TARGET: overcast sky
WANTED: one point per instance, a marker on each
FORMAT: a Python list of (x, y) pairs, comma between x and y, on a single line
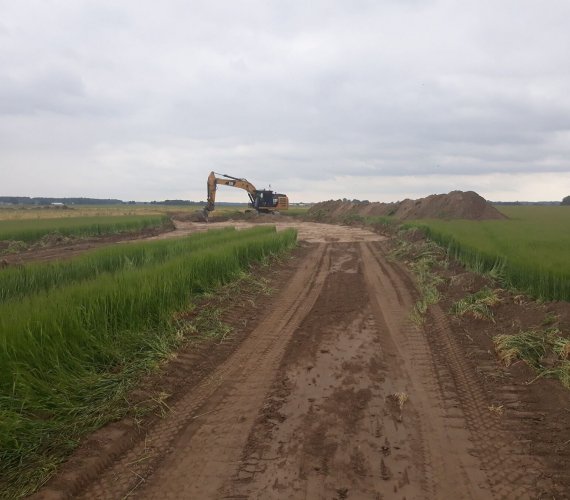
[(367, 99)]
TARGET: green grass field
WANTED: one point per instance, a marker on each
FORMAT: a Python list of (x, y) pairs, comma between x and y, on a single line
[(75, 336), (30, 230), (530, 250)]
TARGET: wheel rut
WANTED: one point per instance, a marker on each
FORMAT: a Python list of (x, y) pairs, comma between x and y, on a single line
[(187, 453), (363, 408), (512, 472), (335, 394)]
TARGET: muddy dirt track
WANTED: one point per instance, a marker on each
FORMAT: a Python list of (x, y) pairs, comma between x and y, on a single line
[(332, 394)]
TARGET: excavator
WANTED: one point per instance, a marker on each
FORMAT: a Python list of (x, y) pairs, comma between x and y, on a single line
[(262, 200)]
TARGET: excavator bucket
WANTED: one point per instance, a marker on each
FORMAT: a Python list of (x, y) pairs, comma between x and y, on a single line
[(199, 216)]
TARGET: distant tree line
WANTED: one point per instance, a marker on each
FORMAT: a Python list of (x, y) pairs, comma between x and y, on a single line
[(26, 200), (520, 203), (355, 201), (566, 200), (176, 202)]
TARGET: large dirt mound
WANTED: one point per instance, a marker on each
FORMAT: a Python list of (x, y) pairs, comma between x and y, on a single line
[(455, 205)]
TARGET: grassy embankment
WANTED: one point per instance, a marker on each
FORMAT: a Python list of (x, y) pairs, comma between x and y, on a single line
[(31, 230), (75, 336), (529, 251)]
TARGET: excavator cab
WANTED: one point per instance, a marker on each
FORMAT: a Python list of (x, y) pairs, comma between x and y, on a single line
[(269, 201)]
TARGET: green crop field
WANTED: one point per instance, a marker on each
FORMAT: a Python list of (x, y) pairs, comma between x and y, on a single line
[(74, 336), (30, 230), (530, 250)]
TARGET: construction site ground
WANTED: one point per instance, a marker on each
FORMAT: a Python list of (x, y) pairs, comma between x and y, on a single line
[(326, 389)]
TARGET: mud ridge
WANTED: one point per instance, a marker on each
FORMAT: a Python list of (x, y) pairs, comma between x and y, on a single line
[(454, 205)]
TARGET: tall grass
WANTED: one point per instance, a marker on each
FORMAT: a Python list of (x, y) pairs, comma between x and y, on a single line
[(530, 251), (30, 230), (17, 282), (68, 356)]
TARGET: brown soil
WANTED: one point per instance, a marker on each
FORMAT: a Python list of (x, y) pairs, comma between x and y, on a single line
[(308, 231), (455, 205), (327, 390)]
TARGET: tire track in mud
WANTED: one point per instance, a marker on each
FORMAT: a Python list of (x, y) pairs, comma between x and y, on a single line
[(356, 410), (510, 471), (368, 405), (188, 453), (449, 469), (325, 430), (335, 394)]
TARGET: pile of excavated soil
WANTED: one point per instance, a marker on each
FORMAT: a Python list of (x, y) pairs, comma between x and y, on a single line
[(455, 205)]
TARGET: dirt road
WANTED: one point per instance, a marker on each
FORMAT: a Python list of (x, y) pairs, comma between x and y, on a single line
[(333, 394)]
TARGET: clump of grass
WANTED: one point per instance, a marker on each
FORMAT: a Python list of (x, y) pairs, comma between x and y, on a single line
[(421, 256), (402, 249), (563, 373), (529, 346), (208, 323), (561, 346), (478, 305), (547, 351), (427, 281), (399, 398), (497, 409), (14, 247), (550, 319)]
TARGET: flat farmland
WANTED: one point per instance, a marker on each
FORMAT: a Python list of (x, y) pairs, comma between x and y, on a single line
[(190, 365)]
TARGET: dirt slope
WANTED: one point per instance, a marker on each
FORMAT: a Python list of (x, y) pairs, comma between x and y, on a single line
[(333, 393), (454, 205)]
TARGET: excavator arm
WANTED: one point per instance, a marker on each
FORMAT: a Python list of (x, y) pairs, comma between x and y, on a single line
[(226, 180)]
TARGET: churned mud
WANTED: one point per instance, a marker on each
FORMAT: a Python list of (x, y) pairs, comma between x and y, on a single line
[(329, 392)]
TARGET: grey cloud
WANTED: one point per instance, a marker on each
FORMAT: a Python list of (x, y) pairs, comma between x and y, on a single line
[(59, 92), (159, 94)]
